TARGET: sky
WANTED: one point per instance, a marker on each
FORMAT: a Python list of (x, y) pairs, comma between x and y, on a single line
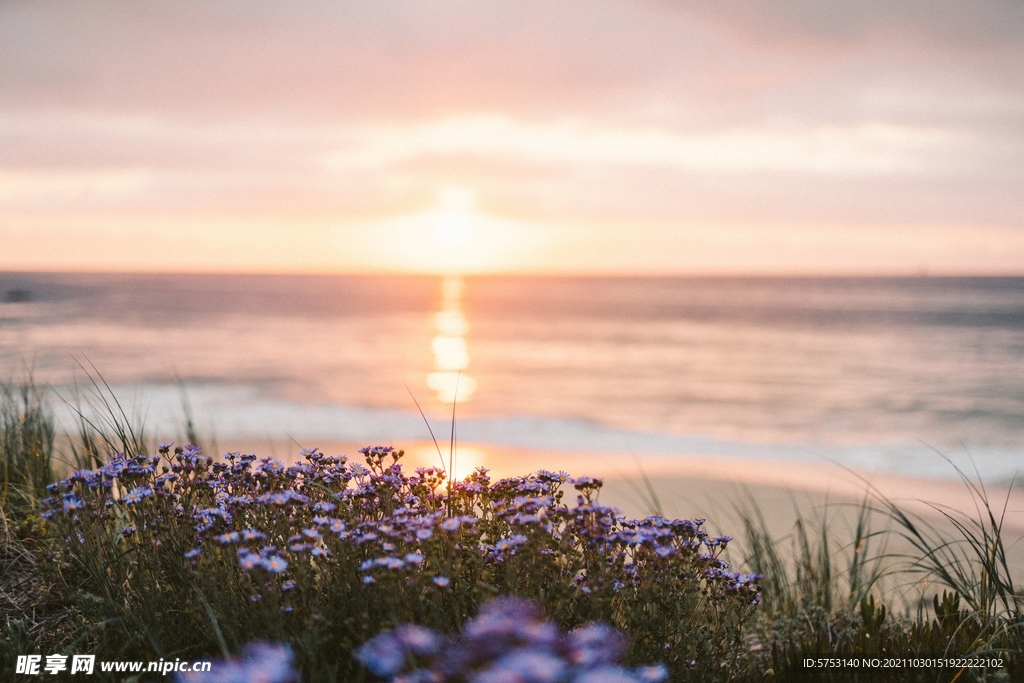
[(513, 136)]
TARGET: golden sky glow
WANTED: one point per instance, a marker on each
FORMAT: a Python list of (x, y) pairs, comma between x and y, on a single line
[(450, 137)]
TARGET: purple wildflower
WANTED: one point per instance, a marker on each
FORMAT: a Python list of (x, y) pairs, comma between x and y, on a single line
[(249, 561), (137, 494), (272, 466), (72, 502), (384, 655), (230, 537), (595, 644), (526, 665), (275, 564)]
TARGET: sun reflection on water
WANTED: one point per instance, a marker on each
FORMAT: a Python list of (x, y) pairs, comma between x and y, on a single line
[(451, 354)]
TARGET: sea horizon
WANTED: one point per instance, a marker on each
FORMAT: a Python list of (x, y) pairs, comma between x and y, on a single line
[(880, 373)]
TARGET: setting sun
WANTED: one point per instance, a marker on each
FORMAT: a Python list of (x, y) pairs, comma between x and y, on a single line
[(452, 229)]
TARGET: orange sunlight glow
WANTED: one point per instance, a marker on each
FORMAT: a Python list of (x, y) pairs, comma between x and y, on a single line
[(451, 238), (451, 353), (452, 226), (452, 229), (465, 459)]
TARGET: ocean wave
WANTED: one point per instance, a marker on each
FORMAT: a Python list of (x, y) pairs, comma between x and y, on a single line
[(247, 412)]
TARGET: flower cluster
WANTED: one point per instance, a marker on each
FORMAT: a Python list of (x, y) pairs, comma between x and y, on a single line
[(506, 642), (278, 548)]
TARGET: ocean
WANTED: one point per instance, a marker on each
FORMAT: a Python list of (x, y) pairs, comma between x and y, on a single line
[(880, 374)]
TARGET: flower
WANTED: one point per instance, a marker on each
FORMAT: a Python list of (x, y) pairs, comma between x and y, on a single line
[(595, 644), (272, 466), (137, 494), (249, 561), (275, 564), (607, 674), (506, 643), (72, 502), (651, 674), (582, 483), (526, 665), (442, 581), (384, 655), (230, 537), (390, 562), (418, 639)]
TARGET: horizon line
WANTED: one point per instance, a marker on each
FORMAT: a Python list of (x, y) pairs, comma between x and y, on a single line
[(919, 273)]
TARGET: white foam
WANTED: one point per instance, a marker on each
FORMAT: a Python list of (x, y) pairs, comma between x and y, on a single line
[(231, 411)]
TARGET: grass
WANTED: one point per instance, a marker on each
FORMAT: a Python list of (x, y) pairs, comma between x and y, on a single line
[(948, 591), (31, 587), (26, 454), (823, 594)]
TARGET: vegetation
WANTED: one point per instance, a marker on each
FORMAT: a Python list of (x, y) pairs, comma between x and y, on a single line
[(144, 552), (819, 596)]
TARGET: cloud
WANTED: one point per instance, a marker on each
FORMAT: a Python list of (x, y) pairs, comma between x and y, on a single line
[(684, 63), (663, 112), (53, 189), (864, 148)]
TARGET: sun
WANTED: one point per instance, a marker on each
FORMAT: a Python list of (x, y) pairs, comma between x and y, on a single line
[(456, 204), (452, 229)]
